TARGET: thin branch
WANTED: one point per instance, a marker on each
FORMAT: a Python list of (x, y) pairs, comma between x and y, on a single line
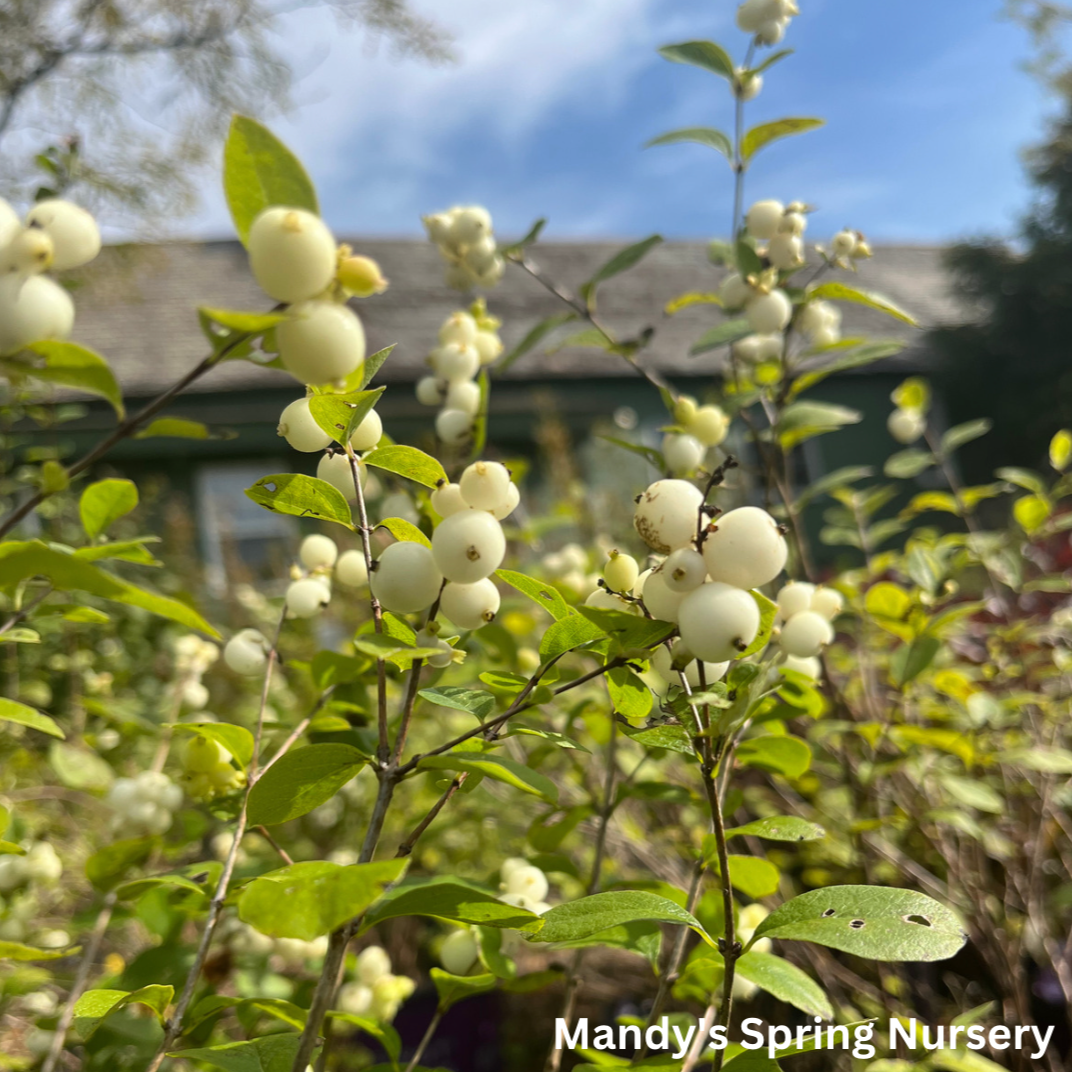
[(418, 1053), (407, 846)]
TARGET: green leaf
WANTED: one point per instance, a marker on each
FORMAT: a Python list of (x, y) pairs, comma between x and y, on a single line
[(259, 171), (213, 1006), (960, 434), (308, 899), (531, 236), (372, 364), (302, 496), (649, 454), (628, 693), (454, 988), (404, 530), (532, 338), (302, 780), (701, 135), (13, 711), (199, 878), (175, 428), (911, 660), (107, 866), (672, 738), (94, 1005), (706, 54), (973, 793), (567, 634), (843, 292), (480, 422), (786, 982), (409, 462), (1023, 478), (780, 755), (546, 595), (906, 464), (859, 357), (1031, 512), (272, 1053), (475, 702), (765, 133), (71, 365), (18, 951), (875, 922), (126, 551), (768, 611), (753, 876), (339, 415), (759, 1060), (252, 324), (771, 60), (453, 900), (620, 262), (236, 739), (779, 828), (629, 630), (801, 421), (729, 331), (499, 768), (80, 768), (31, 558), (689, 299), (580, 919), (1046, 760), (104, 503)]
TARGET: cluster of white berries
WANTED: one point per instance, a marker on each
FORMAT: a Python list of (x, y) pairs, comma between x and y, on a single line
[(208, 771), (467, 342), (806, 611), (295, 259), (847, 247), (704, 583), (821, 322), (294, 952), (144, 805), (56, 235), (569, 567), (466, 241), (468, 545), (40, 864), (375, 992), (523, 885), (766, 19), (193, 656), (699, 428)]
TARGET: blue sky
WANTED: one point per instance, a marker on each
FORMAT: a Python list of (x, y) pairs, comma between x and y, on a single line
[(928, 111)]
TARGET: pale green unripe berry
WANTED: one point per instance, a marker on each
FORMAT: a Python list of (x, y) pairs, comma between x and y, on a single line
[(368, 433), (321, 342), (459, 328), (464, 396), (794, 223), (447, 499), (667, 513), (757, 348), (75, 236), (682, 453), (488, 345), (453, 426), (843, 243), (827, 335), (373, 964), (661, 601), (335, 470), (795, 597), (292, 255), (494, 273), (361, 276), (459, 277), (748, 87), (601, 599), (709, 425), (763, 219), (685, 410), (351, 569), (485, 485), (29, 253), (482, 256), (746, 549), (906, 425), (202, 755), (827, 602), (805, 634), (470, 606), (406, 578), (9, 223), (298, 427), (768, 313), (786, 251), (468, 546), (459, 952), (508, 505), (470, 225), (684, 570), (246, 653), (32, 309), (307, 597), (455, 362), (426, 639), (438, 227), (621, 572), (671, 664), (812, 667), (318, 552), (816, 316), (429, 392), (734, 291), (717, 622)]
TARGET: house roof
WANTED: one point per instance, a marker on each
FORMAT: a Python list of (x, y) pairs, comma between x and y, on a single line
[(137, 306)]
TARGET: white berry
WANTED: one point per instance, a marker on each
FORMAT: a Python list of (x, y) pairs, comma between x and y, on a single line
[(485, 485), (470, 606), (351, 569), (335, 470), (763, 219), (906, 425), (298, 427), (795, 597), (746, 549), (470, 225), (709, 425), (306, 598), (465, 396), (320, 342), (76, 238), (488, 345), (684, 570), (661, 601), (318, 552), (32, 309), (459, 952), (682, 453), (667, 514), (805, 634), (786, 251), (368, 433), (459, 328), (455, 362), (508, 505), (453, 426), (734, 291), (10, 224), (246, 653), (827, 602), (468, 546), (717, 622), (292, 254), (447, 499), (810, 667), (429, 391), (621, 572), (671, 664), (406, 578), (445, 654), (768, 313)]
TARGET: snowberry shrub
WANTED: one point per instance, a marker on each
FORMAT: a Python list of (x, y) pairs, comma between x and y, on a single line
[(440, 716)]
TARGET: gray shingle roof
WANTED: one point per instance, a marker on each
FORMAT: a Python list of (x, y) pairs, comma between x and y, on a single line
[(137, 307)]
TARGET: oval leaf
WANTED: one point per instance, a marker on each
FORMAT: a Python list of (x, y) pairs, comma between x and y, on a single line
[(301, 781), (13, 711), (409, 462), (590, 915), (302, 496), (104, 503), (765, 133), (500, 768)]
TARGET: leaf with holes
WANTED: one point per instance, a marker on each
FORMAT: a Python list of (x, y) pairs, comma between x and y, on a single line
[(546, 595), (339, 415), (409, 462), (302, 780), (869, 921), (302, 496)]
